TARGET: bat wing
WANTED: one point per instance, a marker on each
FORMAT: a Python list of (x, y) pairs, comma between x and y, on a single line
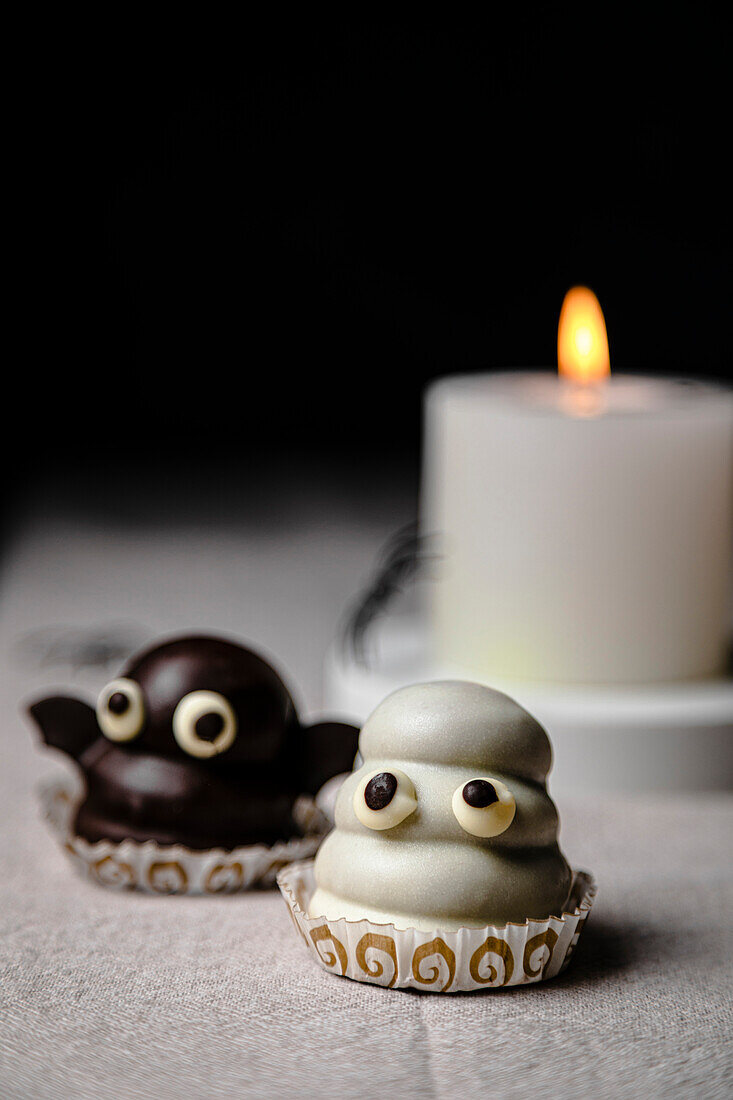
[(329, 749), (65, 723)]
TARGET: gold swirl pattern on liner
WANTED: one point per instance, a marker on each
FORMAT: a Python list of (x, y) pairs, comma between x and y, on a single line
[(224, 878), (378, 943), (434, 947), (546, 939), (492, 946), (113, 872), (323, 932), (167, 877)]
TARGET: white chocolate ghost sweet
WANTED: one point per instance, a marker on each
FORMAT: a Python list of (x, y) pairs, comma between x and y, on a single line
[(447, 823)]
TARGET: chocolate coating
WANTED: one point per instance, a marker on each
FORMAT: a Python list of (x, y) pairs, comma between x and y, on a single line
[(380, 791), (151, 788), (479, 793)]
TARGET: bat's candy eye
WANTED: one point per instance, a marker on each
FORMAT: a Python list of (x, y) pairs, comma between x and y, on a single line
[(121, 710), (484, 807), (204, 724), (383, 799)]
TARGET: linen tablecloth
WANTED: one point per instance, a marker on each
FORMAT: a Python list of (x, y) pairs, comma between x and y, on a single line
[(122, 995)]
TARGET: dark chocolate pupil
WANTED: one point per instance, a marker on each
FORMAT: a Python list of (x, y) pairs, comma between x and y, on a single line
[(118, 702), (380, 790), (209, 726), (479, 793)]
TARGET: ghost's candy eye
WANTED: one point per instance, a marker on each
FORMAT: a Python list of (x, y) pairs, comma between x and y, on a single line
[(204, 724), (121, 710), (484, 807), (384, 798)]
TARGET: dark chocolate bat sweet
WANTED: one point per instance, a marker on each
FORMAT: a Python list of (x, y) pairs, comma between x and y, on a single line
[(197, 743)]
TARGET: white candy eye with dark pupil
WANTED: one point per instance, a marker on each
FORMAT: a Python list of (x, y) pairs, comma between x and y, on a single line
[(121, 710), (384, 799), (484, 807), (204, 724)]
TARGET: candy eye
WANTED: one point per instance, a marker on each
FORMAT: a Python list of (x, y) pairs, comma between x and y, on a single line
[(484, 807), (204, 724), (383, 799), (121, 710)]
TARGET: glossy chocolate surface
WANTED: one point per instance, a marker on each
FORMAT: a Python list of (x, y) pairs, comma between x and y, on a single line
[(148, 786)]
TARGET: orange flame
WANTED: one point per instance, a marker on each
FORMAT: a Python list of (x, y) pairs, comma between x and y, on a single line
[(582, 343)]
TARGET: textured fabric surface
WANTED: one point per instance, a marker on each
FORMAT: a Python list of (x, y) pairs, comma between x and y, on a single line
[(111, 996)]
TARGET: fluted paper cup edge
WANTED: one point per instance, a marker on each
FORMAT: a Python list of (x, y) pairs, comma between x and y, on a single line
[(174, 869), (440, 961)]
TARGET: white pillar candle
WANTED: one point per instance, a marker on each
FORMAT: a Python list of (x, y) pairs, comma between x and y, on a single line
[(584, 542)]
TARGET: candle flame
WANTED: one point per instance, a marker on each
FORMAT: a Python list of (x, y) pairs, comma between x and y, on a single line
[(582, 343)]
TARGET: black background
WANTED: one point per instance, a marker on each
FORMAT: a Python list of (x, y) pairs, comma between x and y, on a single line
[(264, 242)]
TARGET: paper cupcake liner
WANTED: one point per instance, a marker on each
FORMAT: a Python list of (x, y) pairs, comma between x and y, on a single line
[(174, 869), (493, 957)]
